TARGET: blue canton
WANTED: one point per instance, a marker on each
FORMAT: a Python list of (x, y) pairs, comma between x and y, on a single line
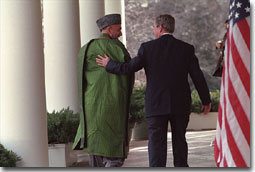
[(239, 9)]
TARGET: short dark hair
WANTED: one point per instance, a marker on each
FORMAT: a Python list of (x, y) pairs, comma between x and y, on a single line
[(166, 21)]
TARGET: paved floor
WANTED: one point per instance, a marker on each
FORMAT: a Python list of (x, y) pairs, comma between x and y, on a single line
[(200, 152)]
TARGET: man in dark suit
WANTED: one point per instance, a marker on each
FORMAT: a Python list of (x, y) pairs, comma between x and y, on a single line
[(167, 62)]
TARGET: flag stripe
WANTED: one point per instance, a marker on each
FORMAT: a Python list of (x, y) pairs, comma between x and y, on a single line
[(217, 146), (236, 128), (245, 28), (216, 152), (248, 22), (241, 69), (225, 147), (242, 49), (239, 87), (225, 163), (220, 115), (236, 155), (240, 115)]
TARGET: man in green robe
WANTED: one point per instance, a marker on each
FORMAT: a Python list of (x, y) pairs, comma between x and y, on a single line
[(104, 98)]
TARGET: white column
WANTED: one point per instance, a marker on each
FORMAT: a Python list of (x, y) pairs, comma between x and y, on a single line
[(90, 11), (23, 125), (62, 44), (117, 6)]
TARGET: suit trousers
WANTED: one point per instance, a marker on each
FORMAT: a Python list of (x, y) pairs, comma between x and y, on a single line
[(158, 128)]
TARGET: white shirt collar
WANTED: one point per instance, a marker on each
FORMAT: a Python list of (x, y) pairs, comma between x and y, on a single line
[(166, 34)]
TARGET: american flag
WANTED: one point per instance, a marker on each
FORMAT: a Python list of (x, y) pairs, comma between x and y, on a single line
[(232, 143)]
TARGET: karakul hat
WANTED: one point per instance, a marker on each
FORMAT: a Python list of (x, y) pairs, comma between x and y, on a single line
[(108, 20)]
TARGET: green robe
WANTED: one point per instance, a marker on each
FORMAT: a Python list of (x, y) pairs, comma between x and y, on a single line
[(103, 127)]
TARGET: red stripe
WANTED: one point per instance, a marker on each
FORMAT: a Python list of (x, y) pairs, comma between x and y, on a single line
[(236, 155), (216, 152), (240, 67), (245, 31), (221, 152), (225, 162), (220, 115), (239, 112)]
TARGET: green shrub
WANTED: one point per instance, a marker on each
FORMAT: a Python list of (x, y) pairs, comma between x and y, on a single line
[(196, 102), (215, 97), (7, 157), (137, 106), (62, 126)]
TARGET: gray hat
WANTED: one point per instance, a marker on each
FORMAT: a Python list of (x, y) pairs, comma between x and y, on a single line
[(108, 20)]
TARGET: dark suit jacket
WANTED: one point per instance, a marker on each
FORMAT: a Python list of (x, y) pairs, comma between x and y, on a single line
[(167, 62)]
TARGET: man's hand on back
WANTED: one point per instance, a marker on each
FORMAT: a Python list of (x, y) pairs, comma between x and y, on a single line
[(102, 61)]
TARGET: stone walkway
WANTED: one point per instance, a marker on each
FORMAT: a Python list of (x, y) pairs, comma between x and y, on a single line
[(200, 152)]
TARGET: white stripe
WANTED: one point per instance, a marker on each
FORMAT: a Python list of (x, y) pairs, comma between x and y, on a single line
[(218, 140), (242, 48), (248, 19)]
